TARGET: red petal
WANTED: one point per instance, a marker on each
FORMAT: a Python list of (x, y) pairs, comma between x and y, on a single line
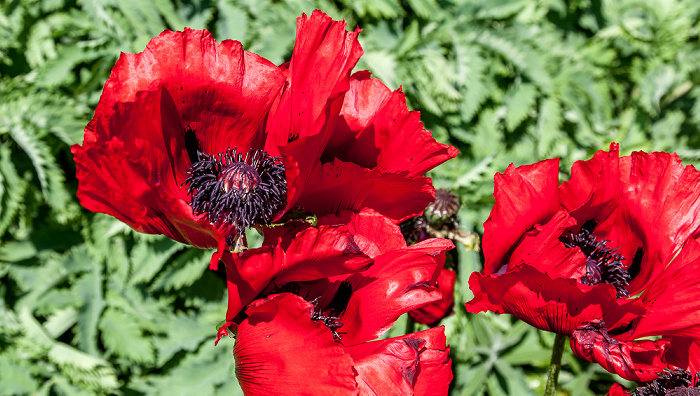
[(664, 199), (432, 313), (379, 131), (673, 298), (525, 196), (417, 363), (557, 305), (318, 74), (280, 351), (314, 253), (373, 233), (398, 282), (635, 361), (339, 185), (221, 91), (617, 390), (129, 169)]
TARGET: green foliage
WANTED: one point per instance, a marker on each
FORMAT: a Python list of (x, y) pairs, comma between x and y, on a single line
[(91, 307)]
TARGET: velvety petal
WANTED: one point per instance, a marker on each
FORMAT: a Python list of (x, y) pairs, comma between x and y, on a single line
[(634, 361), (377, 130), (617, 390), (339, 185), (314, 253), (318, 74), (373, 233), (542, 249), (222, 92), (417, 363), (557, 305), (673, 298), (593, 185), (281, 351), (399, 281), (664, 199), (432, 313), (525, 196), (132, 174)]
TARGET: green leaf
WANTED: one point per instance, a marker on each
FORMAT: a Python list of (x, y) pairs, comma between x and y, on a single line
[(519, 104), (122, 336)]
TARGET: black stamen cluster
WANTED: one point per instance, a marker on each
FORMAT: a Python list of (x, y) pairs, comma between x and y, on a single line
[(603, 263), (670, 382), (214, 192)]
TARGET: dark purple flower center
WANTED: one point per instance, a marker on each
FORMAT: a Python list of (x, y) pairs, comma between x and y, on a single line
[(671, 383), (235, 189), (603, 263)]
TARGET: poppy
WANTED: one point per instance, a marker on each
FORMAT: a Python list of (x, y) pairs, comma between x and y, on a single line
[(283, 346), (199, 140), (346, 263), (602, 246)]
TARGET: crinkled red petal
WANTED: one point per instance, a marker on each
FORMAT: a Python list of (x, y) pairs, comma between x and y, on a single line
[(377, 130), (525, 196), (634, 361), (399, 281), (313, 253), (373, 233), (673, 298), (280, 351), (433, 313), (317, 76), (552, 304), (417, 363), (664, 200), (222, 92), (338, 185), (129, 169)]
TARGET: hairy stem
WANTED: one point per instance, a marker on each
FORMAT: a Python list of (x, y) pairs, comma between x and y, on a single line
[(555, 365)]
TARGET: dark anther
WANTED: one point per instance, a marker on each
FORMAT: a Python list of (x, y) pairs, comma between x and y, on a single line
[(236, 189), (331, 322), (671, 382), (603, 263), (192, 145)]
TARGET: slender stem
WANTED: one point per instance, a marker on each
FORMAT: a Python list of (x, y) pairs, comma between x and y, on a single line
[(410, 325), (555, 365)]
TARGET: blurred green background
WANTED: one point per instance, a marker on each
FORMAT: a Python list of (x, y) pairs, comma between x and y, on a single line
[(91, 307)]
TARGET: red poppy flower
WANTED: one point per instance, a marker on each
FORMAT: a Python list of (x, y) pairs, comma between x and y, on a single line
[(197, 140), (433, 313), (601, 246), (361, 258), (282, 348)]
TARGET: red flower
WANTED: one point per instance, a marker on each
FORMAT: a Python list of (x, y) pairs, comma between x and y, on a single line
[(197, 140), (280, 349), (432, 313), (599, 247), (362, 257)]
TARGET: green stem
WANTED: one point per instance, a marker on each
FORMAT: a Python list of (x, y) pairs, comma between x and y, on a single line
[(555, 365), (410, 325)]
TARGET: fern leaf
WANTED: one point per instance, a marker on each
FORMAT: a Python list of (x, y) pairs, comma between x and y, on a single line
[(88, 289), (149, 255), (124, 338), (548, 123), (519, 104), (186, 269)]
